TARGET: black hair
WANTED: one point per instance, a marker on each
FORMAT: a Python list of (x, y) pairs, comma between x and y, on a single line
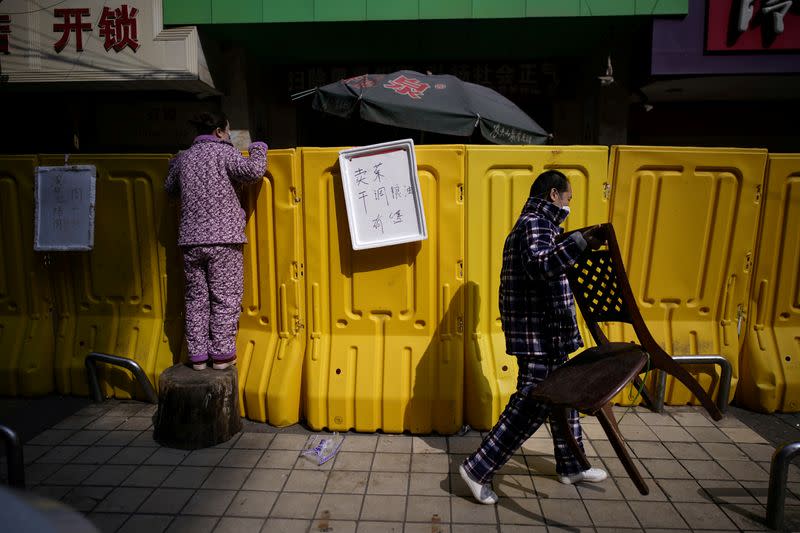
[(547, 181), (207, 122)]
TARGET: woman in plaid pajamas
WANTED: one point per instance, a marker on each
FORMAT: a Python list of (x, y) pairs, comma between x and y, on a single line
[(211, 236), (538, 316)]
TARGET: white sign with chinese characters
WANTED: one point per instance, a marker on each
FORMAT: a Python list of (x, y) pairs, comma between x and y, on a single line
[(382, 194), (97, 40), (64, 199)]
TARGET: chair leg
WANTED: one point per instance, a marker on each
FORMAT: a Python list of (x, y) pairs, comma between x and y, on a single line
[(609, 424), (640, 386), (665, 363), (560, 415)]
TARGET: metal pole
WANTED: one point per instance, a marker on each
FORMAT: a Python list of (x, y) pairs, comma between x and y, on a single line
[(778, 474), (16, 464), (725, 374), (128, 364)]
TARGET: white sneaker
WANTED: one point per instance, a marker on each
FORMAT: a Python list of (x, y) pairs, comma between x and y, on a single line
[(481, 491), (223, 366), (200, 366), (593, 475)]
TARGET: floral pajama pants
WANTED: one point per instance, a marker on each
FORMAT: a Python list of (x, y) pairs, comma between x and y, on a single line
[(214, 289)]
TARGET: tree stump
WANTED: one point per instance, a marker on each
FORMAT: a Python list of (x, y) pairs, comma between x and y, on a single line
[(197, 409)]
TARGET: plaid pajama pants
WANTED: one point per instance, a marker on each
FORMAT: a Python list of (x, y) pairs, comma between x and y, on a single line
[(520, 419), (214, 289)]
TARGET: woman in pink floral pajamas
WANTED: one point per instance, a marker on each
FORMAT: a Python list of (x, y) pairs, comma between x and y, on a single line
[(211, 236)]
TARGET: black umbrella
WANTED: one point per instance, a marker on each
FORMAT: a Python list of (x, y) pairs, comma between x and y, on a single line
[(437, 103)]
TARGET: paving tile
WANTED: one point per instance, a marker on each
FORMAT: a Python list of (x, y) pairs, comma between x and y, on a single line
[(463, 445), (380, 527), (226, 478), (428, 444), (536, 446), (192, 524), (746, 517), (631, 493), (74, 422), (757, 452), (166, 501), (429, 463), (396, 462), (759, 490), (638, 433), (424, 527), (97, 455), (516, 511), (285, 441), (61, 454), (106, 422), (421, 484), (657, 514), (743, 435), (683, 490), (724, 451), (658, 419), (241, 458), (143, 523), (187, 477), (283, 459), (672, 434), (692, 419), (109, 475), (167, 456), (287, 525), (84, 499), (123, 500), (467, 511), (54, 492), (107, 522), (205, 457), (84, 437), (602, 448), (38, 472), (705, 469), (230, 443), (649, 450), (456, 460), (347, 482), (606, 490), (457, 486), (708, 434), (311, 462), (513, 486), (615, 468), (148, 476), (359, 461), (71, 474), (565, 512), (594, 432), (359, 443), (550, 487), (295, 505), (209, 502), (339, 506), (145, 438), (251, 503), (388, 483), (666, 469), (306, 481), (255, 441), (704, 516), (384, 508), (745, 470), (136, 423), (125, 409), (120, 438), (428, 509), (51, 437), (232, 524), (266, 479), (687, 450), (610, 514), (727, 491), (518, 528), (393, 444), (31, 452), (519, 466), (131, 456)]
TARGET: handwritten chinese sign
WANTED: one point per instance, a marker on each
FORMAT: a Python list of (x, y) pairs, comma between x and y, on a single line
[(382, 194), (65, 199)]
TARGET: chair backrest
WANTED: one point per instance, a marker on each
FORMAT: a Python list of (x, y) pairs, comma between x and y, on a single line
[(601, 288)]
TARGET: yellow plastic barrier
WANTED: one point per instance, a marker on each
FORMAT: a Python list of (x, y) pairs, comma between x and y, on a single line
[(497, 186), (271, 340), (770, 377), (26, 318), (123, 297), (385, 325), (687, 220)]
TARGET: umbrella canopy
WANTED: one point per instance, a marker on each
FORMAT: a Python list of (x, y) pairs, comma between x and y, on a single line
[(437, 103)]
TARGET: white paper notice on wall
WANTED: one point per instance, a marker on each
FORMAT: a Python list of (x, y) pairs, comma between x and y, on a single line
[(64, 199), (382, 194)]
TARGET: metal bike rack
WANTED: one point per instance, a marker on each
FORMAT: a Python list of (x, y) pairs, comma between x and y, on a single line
[(94, 385), (726, 371), (778, 474), (16, 464)]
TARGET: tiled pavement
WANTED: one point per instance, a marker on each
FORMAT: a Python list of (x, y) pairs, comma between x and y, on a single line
[(103, 461)]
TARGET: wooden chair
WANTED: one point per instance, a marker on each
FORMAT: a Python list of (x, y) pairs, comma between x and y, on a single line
[(603, 294)]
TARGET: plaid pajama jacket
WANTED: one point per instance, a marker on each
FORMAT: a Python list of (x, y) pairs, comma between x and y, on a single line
[(538, 315)]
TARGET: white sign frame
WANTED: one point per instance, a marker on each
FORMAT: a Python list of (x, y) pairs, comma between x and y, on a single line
[(401, 168), (76, 203)]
